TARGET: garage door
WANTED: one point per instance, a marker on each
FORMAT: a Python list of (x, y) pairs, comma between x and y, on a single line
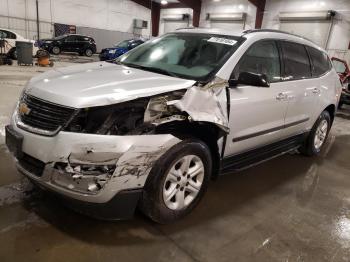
[(316, 31), (170, 26), (227, 21), (315, 25), (234, 26)]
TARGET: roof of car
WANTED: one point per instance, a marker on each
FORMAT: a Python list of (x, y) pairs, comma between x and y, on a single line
[(250, 33)]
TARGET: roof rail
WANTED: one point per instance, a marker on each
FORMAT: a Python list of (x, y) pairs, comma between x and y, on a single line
[(273, 31)]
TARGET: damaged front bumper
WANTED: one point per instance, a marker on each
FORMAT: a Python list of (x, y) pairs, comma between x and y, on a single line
[(88, 168)]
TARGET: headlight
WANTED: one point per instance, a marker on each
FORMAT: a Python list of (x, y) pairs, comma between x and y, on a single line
[(129, 118), (119, 119)]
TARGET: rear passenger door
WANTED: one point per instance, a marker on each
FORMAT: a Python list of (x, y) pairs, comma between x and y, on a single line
[(301, 88), (257, 113)]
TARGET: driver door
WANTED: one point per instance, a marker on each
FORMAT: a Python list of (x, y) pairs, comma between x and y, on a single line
[(257, 113)]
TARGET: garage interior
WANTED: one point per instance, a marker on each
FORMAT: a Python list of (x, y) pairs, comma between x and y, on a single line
[(292, 208)]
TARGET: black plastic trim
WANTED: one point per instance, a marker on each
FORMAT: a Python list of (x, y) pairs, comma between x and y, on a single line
[(253, 157), (264, 132)]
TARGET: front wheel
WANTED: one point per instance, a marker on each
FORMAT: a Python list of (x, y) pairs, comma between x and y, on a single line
[(56, 50), (318, 135), (177, 182)]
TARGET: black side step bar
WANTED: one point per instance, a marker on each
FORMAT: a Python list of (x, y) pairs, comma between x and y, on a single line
[(253, 157)]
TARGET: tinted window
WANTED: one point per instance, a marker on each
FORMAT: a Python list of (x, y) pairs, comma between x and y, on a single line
[(71, 38), (261, 58), (81, 38), (296, 61), (320, 62), (7, 34)]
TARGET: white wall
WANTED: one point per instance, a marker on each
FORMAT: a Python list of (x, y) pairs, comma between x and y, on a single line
[(116, 15), (173, 11), (340, 37), (228, 6)]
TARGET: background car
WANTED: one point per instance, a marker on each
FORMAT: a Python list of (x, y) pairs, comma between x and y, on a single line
[(83, 45), (119, 49), (343, 71), (11, 37)]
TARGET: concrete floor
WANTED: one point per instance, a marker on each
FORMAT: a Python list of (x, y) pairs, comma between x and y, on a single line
[(292, 208)]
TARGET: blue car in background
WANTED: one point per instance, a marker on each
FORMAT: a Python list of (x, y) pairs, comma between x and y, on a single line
[(119, 49)]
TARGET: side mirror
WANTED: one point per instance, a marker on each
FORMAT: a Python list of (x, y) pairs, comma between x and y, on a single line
[(250, 79)]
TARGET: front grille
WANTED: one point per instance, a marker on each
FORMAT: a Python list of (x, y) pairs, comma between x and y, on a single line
[(32, 165), (44, 115)]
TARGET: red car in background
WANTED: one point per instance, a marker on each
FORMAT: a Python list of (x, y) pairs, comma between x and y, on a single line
[(343, 71)]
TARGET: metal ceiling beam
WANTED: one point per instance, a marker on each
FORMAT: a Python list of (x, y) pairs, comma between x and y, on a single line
[(260, 9), (196, 6), (144, 3)]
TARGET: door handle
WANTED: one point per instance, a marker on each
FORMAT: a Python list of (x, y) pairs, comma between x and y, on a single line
[(316, 91), (281, 97)]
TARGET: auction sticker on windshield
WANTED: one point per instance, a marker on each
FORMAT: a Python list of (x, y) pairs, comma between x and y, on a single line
[(224, 41)]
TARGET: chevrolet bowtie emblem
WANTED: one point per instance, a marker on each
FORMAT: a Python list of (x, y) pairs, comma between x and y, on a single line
[(23, 109)]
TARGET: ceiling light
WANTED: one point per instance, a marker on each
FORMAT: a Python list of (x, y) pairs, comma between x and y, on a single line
[(216, 0), (164, 2)]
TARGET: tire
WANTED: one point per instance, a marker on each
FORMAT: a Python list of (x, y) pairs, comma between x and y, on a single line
[(56, 50), (13, 53), (88, 52), (160, 183), (312, 146)]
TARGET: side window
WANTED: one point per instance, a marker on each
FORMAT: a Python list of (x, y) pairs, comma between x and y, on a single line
[(261, 58), (320, 62), (296, 61), (71, 38), (11, 35), (7, 34)]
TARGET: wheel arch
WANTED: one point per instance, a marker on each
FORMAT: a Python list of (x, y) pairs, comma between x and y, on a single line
[(207, 132), (331, 109)]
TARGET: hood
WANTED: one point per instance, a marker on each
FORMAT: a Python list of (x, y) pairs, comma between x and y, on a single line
[(100, 83), (117, 49)]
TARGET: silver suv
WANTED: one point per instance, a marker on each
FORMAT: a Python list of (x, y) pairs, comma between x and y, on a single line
[(151, 128)]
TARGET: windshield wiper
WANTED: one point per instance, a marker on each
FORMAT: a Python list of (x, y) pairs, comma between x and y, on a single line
[(152, 69)]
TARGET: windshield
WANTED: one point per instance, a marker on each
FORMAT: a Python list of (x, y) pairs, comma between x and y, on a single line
[(185, 55), (122, 44)]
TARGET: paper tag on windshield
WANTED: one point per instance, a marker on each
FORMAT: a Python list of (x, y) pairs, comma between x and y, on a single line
[(224, 41)]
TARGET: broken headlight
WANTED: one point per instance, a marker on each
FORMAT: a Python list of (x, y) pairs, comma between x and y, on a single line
[(119, 119), (129, 118)]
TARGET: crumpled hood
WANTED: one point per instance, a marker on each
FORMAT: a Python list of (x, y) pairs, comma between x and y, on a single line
[(100, 83)]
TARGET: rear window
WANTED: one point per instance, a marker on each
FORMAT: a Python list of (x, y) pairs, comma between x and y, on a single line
[(320, 62), (296, 61)]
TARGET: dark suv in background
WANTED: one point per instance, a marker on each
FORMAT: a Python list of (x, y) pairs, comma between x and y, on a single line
[(84, 45)]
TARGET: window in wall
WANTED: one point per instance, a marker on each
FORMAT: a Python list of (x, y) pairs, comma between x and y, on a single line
[(296, 61), (261, 58), (320, 61)]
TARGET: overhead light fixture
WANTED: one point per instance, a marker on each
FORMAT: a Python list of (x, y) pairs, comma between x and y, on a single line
[(216, 0), (164, 2)]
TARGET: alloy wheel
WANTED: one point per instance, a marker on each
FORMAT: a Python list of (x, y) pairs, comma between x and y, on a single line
[(183, 182)]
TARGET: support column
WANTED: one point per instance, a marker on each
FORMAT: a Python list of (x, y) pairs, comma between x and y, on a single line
[(155, 15)]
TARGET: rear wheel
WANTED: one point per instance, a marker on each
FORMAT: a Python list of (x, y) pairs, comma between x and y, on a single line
[(318, 135), (88, 52), (56, 50), (177, 182)]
